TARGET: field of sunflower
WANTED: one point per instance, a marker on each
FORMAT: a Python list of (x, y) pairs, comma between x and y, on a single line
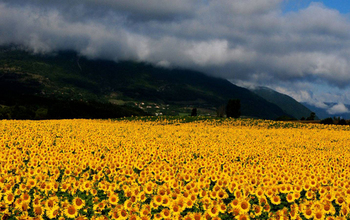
[(166, 169)]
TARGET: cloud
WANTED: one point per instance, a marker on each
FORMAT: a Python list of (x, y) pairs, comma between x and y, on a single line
[(248, 41), (320, 105), (136, 9), (338, 109)]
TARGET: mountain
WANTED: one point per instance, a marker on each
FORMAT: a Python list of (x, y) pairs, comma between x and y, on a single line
[(326, 111), (285, 102), (65, 76)]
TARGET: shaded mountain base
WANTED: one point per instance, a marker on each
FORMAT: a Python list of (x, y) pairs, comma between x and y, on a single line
[(39, 108)]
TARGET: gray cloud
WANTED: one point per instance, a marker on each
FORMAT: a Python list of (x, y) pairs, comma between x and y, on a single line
[(136, 9), (248, 41), (338, 109)]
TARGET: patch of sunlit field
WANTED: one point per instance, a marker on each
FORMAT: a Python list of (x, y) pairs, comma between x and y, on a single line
[(166, 169)]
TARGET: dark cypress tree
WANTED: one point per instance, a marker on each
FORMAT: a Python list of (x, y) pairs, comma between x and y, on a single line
[(233, 108), (194, 112)]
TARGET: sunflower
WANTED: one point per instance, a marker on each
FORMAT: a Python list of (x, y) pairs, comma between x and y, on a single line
[(243, 217), (148, 188), (234, 203), (313, 183), (318, 215), (283, 189), (296, 195), (25, 197), (309, 195), (36, 201), (328, 208), (344, 211), (158, 200), (222, 194), (64, 187), (197, 216), (86, 186), (145, 212), (181, 203), (113, 199), (38, 211), (269, 193), (213, 211), (244, 206), (24, 207), (79, 203), (80, 217), (71, 211), (340, 200), (31, 183), (259, 193), (290, 198), (308, 213), (166, 201), (53, 212), (23, 216), (133, 217), (123, 214), (175, 209), (22, 187), (257, 210), (293, 214), (158, 216), (213, 194), (128, 205), (166, 213), (298, 188), (276, 200), (307, 186), (267, 208), (238, 194), (9, 197), (99, 206), (114, 213), (193, 197), (50, 203), (222, 208), (18, 203), (329, 196)]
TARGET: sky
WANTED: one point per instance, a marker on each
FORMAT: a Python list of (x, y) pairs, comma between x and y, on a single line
[(297, 47)]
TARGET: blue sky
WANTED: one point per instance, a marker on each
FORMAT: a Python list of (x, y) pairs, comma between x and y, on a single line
[(343, 6), (300, 47)]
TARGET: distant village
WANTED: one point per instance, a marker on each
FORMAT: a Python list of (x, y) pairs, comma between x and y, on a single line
[(155, 108)]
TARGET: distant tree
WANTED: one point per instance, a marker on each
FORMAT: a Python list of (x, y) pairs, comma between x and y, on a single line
[(342, 122), (233, 108), (327, 121), (335, 118), (194, 112), (312, 116), (41, 113), (302, 118), (220, 112)]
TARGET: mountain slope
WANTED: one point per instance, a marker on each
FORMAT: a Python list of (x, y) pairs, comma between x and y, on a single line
[(66, 76), (285, 102)]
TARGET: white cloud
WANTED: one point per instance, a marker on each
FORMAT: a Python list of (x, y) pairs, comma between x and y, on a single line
[(320, 105), (338, 109)]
